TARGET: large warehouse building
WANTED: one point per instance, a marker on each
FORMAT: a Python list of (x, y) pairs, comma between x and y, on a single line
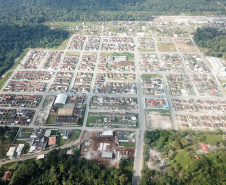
[(61, 99), (217, 64)]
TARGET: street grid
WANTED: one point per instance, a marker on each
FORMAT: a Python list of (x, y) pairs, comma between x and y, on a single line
[(138, 163)]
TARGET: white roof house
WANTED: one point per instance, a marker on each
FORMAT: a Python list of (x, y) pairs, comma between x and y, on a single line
[(19, 149), (61, 99), (32, 149), (47, 133), (11, 152)]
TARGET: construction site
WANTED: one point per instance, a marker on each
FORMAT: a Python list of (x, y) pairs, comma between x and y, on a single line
[(108, 146)]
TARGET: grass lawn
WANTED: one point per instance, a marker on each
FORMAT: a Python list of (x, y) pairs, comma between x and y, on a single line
[(184, 161), (3, 81), (150, 75), (9, 166), (63, 45), (166, 47), (147, 50), (27, 129), (51, 118), (53, 132), (127, 144), (211, 139), (21, 142)]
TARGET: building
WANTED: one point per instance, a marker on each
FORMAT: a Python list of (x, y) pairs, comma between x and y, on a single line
[(122, 136), (217, 64), (41, 156), (64, 133), (157, 103), (205, 148), (52, 140), (106, 155), (19, 149), (107, 133), (8, 174), (11, 152), (60, 99), (47, 133)]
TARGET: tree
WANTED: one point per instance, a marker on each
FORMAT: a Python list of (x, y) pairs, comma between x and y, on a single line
[(123, 179), (184, 141)]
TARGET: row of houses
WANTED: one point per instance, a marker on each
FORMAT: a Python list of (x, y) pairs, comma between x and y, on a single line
[(108, 103), (199, 105), (26, 86), (33, 75), (18, 100)]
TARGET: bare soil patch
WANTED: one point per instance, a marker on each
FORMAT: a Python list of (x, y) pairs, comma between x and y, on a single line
[(158, 120), (93, 152), (166, 47), (186, 47), (44, 112)]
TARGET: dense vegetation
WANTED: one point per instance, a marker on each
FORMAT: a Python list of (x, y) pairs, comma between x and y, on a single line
[(212, 39), (57, 168), (101, 10), (182, 166), (14, 39)]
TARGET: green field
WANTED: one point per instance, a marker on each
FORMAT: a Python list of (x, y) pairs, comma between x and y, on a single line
[(211, 139), (127, 144)]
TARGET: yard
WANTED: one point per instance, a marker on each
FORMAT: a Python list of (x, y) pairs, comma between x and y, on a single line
[(73, 135)]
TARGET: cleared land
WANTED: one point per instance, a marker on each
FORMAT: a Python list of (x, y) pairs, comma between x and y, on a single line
[(186, 47), (158, 119), (44, 112), (166, 47)]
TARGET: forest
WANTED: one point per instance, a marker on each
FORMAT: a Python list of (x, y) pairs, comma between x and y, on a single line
[(182, 167), (212, 39), (15, 38), (57, 168), (33, 11)]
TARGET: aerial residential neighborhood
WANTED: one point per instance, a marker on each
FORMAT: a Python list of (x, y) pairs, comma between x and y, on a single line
[(105, 88)]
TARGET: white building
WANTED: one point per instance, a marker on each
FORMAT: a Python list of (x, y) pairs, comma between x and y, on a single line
[(19, 149), (107, 133), (217, 64), (11, 152), (61, 99)]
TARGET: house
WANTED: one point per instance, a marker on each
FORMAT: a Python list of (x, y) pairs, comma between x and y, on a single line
[(205, 148), (64, 133), (11, 152), (122, 136), (8, 174), (52, 141)]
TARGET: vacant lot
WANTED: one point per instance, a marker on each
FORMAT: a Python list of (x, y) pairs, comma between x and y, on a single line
[(44, 112), (186, 47), (166, 47), (158, 119)]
